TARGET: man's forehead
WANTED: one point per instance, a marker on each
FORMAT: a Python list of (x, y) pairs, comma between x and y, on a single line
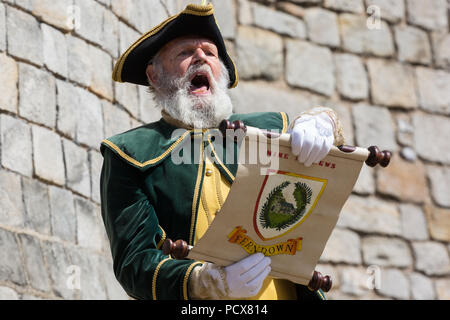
[(186, 41)]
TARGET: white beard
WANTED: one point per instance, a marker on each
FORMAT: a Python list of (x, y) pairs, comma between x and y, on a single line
[(196, 111)]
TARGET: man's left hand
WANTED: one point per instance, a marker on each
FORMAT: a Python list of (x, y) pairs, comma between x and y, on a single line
[(312, 138)]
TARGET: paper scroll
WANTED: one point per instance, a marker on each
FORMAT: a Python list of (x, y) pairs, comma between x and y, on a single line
[(280, 208)]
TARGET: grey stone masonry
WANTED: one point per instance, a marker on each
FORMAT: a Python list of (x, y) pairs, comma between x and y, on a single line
[(344, 246), (432, 17), (392, 84), (77, 167), (279, 22), (8, 84), (2, 27), (62, 213), (357, 38), (386, 252), (390, 10), (259, 53), (434, 90), (440, 184), (351, 77), (310, 66), (11, 204), (438, 150), (48, 155), (16, 145), (37, 95), (37, 206), (24, 36), (413, 45), (431, 258), (10, 259), (55, 50), (322, 26)]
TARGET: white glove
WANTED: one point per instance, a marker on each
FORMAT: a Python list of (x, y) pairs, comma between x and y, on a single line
[(245, 278), (242, 279), (312, 138)]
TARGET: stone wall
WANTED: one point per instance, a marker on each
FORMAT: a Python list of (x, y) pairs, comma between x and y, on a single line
[(383, 65)]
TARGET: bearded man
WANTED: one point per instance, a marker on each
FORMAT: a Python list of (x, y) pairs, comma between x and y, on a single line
[(147, 198)]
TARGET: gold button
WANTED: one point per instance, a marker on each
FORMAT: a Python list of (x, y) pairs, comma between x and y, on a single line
[(209, 173)]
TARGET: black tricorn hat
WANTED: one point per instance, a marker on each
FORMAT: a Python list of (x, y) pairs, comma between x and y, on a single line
[(194, 20)]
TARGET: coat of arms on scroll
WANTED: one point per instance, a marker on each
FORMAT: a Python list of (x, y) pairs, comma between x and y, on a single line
[(284, 202)]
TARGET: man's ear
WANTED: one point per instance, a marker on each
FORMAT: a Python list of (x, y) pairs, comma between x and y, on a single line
[(152, 75)]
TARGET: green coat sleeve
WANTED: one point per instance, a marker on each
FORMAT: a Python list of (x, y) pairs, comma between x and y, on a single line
[(135, 236)]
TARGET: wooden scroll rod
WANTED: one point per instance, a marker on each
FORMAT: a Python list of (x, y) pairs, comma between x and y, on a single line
[(180, 250), (375, 155)]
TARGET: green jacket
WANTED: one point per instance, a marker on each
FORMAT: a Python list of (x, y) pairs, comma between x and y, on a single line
[(145, 198)]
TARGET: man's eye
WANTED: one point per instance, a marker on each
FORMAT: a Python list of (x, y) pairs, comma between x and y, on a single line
[(185, 53)]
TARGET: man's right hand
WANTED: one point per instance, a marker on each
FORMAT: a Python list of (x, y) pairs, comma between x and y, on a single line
[(245, 277)]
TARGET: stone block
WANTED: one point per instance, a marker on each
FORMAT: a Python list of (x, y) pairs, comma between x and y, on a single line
[(413, 45), (405, 130), (127, 36), (390, 10), (141, 14), (310, 66), (226, 17), (322, 26), (78, 61), (438, 222), (62, 214), (89, 227), (351, 77), (91, 20), (374, 127), (56, 13), (11, 205), (116, 119), (425, 126), (434, 90), (253, 97), (357, 38), (55, 50), (386, 252), (365, 184), (96, 163), (370, 215), (421, 287), (431, 258), (127, 95), (245, 14), (113, 288), (356, 6), (37, 93), (37, 206), (24, 36), (259, 54), (414, 223), (8, 84), (278, 22), (11, 268), (440, 184), (2, 27), (77, 168), (431, 16), (392, 84), (59, 268), (353, 281), (91, 274), (343, 246), (394, 284), (101, 65), (403, 180), (442, 289), (8, 294), (441, 49), (48, 155), (148, 110), (16, 145), (34, 263), (80, 114), (110, 36)]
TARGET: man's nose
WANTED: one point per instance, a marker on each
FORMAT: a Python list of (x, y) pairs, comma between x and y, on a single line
[(199, 56)]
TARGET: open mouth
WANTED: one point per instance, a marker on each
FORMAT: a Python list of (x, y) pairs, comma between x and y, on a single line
[(200, 84)]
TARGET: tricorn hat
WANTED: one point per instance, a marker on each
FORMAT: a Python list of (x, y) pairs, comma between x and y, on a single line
[(194, 20)]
